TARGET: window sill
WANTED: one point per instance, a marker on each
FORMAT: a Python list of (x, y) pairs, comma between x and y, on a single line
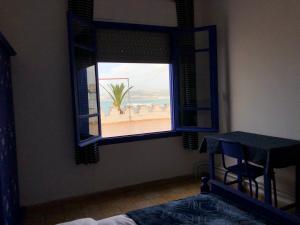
[(138, 137)]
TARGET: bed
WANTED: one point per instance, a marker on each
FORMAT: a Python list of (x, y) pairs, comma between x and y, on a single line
[(221, 205)]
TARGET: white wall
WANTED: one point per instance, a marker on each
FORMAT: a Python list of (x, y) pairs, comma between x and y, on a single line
[(264, 52), (260, 42), (43, 111)]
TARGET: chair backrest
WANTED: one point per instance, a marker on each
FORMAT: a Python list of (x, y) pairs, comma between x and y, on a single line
[(232, 149)]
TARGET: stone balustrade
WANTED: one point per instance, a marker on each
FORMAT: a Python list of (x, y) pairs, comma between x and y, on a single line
[(137, 113)]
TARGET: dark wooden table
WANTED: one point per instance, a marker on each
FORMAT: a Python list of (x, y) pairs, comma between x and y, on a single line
[(267, 151)]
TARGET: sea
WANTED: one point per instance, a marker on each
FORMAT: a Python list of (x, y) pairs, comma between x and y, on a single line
[(107, 104)]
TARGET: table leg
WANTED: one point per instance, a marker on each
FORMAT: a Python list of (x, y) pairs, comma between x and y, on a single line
[(298, 188), (267, 182), (240, 179), (267, 188), (212, 166)]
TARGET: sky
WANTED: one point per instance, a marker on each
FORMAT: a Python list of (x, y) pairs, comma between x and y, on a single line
[(147, 77)]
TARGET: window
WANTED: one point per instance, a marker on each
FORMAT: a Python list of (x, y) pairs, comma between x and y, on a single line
[(134, 98), (134, 81), (198, 81)]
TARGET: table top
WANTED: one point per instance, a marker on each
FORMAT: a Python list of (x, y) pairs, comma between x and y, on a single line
[(282, 152)]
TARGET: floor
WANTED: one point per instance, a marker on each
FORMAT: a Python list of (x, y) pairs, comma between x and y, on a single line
[(111, 203)]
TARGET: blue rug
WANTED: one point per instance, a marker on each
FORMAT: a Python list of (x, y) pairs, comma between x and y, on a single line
[(204, 209)]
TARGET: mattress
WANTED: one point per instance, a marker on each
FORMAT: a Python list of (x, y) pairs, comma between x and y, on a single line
[(114, 220), (204, 209)]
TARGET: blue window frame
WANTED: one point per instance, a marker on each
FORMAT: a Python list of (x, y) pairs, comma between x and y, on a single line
[(83, 66), (205, 107)]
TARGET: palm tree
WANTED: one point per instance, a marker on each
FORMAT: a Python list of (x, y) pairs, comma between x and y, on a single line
[(117, 93)]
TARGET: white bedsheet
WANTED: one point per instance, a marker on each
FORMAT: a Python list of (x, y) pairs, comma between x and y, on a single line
[(115, 220)]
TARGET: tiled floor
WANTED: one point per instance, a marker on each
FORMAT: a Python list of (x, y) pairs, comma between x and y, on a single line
[(111, 203)]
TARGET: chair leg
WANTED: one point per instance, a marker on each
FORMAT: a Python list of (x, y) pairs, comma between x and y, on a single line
[(274, 190), (240, 184), (225, 177), (250, 185), (256, 189)]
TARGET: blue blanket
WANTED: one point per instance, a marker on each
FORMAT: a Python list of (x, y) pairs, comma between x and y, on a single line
[(204, 209)]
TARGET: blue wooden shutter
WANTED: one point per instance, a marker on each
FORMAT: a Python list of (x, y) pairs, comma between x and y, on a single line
[(197, 105), (116, 44), (84, 74)]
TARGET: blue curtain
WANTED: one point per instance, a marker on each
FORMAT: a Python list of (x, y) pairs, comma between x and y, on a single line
[(84, 35), (9, 200), (187, 74)]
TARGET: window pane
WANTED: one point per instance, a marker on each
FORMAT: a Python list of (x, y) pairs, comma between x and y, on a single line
[(193, 118), (134, 98), (88, 127), (87, 91), (204, 119), (200, 91), (203, 79), (202, 40)]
